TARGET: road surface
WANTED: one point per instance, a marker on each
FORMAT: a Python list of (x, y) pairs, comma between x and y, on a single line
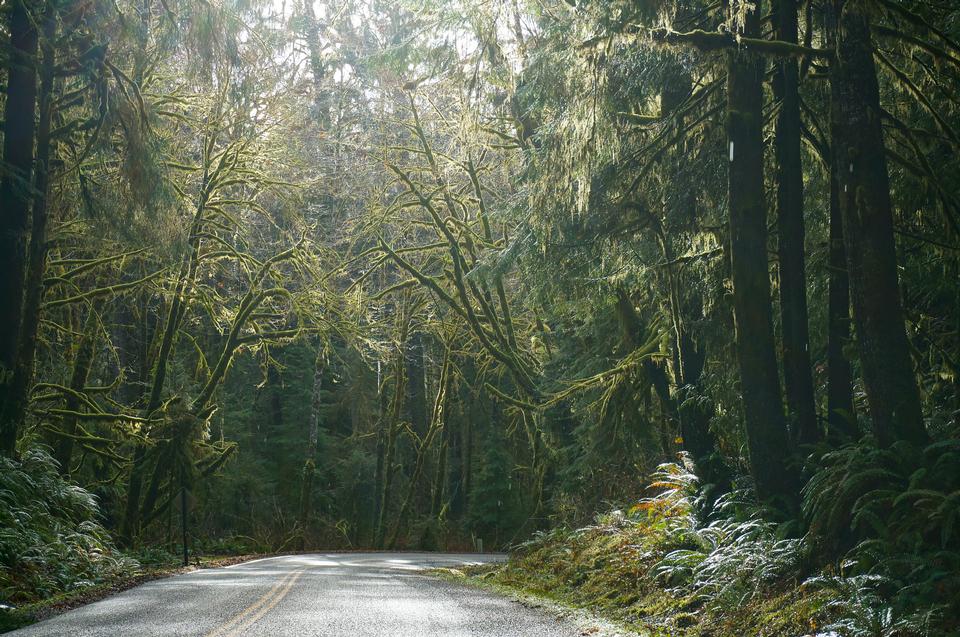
[(335, 594)]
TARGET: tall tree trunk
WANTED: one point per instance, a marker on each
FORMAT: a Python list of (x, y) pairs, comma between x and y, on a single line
[(440, 477), (78, 379), (309, 463), (841, 419), (317, 66), (130, 523), (416, 399), (696, 410), (797, 380), (767, 440), (454, 434), (15, 195), (888, 377), (693, 407), (16, 407), (132, 517), (275, 383), (467, 446), (631, 329), (392, 424), (437, 424), (381, 448), (137, 324), (391, 429), (956, 340), (186, 277)]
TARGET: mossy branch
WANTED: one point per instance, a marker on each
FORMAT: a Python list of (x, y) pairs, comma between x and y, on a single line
[(99, 416), (897, 7), (937, 52), (79, 266), (424, 280), (721, 40), (919, 95), (109, 290)]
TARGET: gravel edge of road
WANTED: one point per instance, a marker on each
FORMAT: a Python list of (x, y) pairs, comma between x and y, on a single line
[(587, 623)]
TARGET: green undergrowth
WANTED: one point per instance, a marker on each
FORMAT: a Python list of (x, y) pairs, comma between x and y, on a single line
[(657, 569), (611, 570), (51, 540)]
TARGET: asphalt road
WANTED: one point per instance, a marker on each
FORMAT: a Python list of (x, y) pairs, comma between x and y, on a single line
[(335, 594)]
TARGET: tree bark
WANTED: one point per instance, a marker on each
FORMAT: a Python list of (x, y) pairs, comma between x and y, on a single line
[(391, 425), (416, 399), (186, 278), (454, 433), (381, 449), (631, 329), (440, 477), (693, 407), (15, 195), (841, 418), (437, 424), (390, 432), (175, 315), (768, 443), (78, 379), (888, 377), (317, 67), (313, 436), (795, 343), (275, 383), (16, 407)]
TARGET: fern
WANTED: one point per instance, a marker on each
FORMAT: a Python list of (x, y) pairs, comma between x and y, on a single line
[(894, 511), (861, 610), (50, 540)]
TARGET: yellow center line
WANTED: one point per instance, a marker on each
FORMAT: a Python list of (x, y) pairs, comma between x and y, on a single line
[(224, 629), (251, 620)]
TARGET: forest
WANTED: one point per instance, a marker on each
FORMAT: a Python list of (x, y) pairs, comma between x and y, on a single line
[(661, 296)]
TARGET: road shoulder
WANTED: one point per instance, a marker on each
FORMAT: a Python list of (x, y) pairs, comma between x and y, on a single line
[(585, 622)]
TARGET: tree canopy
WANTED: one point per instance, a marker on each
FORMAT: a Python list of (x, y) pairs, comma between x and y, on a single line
[(294, 274)]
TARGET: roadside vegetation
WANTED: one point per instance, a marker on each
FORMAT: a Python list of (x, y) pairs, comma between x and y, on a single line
[(51, 540), (660, 570), (55, 553)]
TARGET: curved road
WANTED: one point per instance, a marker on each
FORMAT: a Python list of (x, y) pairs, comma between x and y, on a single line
[(334, 594)]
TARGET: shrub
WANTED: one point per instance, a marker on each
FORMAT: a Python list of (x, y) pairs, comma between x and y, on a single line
[(50, 540), (726, 561), (892, 513)]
